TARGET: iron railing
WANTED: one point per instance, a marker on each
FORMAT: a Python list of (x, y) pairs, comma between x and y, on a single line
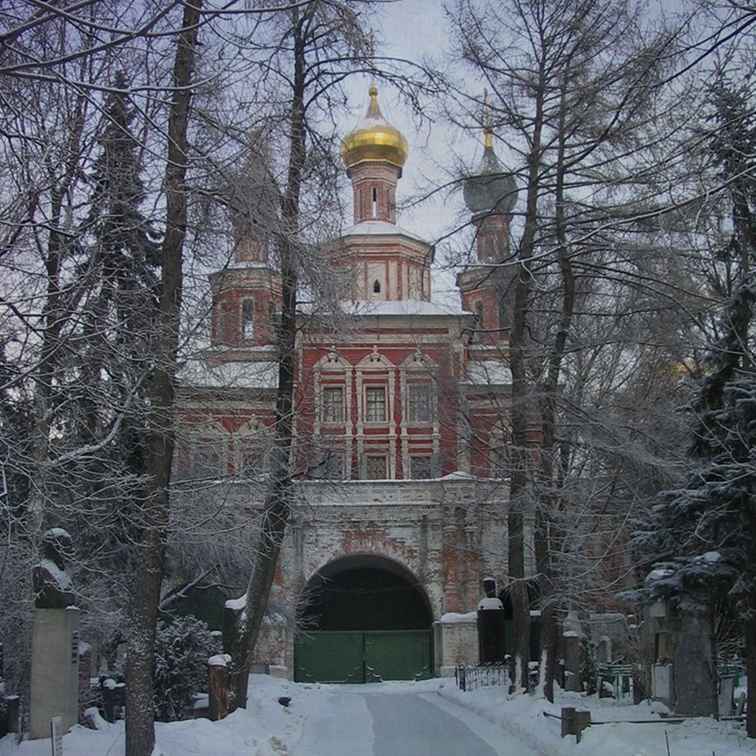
[(472, 676)]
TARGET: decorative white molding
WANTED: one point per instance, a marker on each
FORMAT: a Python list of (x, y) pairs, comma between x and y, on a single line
[(333, 365)]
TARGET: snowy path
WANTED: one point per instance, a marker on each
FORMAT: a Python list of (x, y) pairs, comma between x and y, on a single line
[(360, 721)]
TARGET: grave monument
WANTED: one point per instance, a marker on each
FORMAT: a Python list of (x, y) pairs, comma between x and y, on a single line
[(55, 639)]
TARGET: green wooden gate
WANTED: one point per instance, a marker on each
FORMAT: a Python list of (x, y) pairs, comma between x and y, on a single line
[(363, 656)]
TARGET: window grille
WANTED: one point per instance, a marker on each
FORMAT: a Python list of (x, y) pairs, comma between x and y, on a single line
[(375, 467), (420, 468), (420, 402), (331, 466)]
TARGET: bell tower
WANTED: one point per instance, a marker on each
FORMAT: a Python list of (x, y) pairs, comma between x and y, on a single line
[(247, 292), (490, 195), (382, 262)]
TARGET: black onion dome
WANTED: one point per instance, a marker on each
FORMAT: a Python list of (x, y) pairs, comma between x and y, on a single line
[(492, 187)]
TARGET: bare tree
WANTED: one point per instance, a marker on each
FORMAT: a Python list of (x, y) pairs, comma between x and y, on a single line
[(577, 88)]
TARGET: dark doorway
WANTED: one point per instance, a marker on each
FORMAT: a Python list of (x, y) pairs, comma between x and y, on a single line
[(364, 618), (365, 598)]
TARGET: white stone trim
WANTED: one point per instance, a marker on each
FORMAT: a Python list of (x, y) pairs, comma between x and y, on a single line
[(334, 365), (375, 364)]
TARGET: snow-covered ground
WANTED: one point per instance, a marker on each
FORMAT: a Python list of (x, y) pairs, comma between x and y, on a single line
[(523, 717), (407, 719)]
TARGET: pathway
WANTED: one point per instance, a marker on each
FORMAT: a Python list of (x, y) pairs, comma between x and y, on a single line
[(362, 720)]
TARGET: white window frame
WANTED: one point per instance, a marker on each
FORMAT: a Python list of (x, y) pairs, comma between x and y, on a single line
[(367, 390), (325, 390)]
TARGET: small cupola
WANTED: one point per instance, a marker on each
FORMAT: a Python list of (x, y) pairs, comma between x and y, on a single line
[(374, 153)]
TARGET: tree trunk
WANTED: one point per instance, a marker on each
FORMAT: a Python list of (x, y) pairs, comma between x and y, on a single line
[(750, 665), (750, 629), (546, 539), (145, 599), (520, 488), (278, 500), (550, 636)]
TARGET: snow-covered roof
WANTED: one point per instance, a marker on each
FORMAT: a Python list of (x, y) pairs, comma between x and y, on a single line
[(488, 373), (243, 264), (381, 228), (458, 475), (247, 375), (454, 618), (400, 307)]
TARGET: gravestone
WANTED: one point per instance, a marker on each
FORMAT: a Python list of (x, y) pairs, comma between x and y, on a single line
[(572, 645), (55, 639), (491, 626)]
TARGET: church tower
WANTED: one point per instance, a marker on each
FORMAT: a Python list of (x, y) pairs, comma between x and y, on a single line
[(490, 195), (374, 154), (247, 292), (383, 261)]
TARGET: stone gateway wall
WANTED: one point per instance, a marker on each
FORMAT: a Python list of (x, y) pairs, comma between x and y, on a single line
[(446, 535)]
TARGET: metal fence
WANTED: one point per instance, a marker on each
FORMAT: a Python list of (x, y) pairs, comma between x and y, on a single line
[(470, 676)]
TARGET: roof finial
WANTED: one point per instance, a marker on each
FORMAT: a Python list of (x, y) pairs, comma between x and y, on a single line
[(487, 125), (373, 111)]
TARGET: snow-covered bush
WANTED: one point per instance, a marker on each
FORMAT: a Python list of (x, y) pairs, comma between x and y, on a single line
[(182, 648)]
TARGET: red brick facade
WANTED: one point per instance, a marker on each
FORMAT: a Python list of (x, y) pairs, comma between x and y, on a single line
[(401, 391)]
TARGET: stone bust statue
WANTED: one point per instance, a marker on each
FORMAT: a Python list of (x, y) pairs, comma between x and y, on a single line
[(52, 584)]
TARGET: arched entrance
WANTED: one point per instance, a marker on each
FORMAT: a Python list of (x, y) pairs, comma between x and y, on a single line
[(364, 618)]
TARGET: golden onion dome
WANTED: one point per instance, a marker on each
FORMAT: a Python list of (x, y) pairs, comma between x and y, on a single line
[(374, 140)]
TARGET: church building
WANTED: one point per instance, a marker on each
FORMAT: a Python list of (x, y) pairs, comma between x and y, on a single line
[(401, 431)]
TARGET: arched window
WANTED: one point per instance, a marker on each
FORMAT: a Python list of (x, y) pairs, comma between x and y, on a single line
[(375, 202), (376, 287)]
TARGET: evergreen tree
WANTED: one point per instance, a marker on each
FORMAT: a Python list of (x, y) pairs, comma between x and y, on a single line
[(108, 372), (701, 538), (127, 254)]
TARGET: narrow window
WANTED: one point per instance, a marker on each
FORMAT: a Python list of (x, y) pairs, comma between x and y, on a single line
[(375, 404), (375, 202), (248, 319), (333, 404), (219, 322), (479, 313), (420, 402), (375, 467), (376, 287), (420, 468)]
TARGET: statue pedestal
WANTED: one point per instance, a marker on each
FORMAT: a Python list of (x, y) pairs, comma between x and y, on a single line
[(55, 669)]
